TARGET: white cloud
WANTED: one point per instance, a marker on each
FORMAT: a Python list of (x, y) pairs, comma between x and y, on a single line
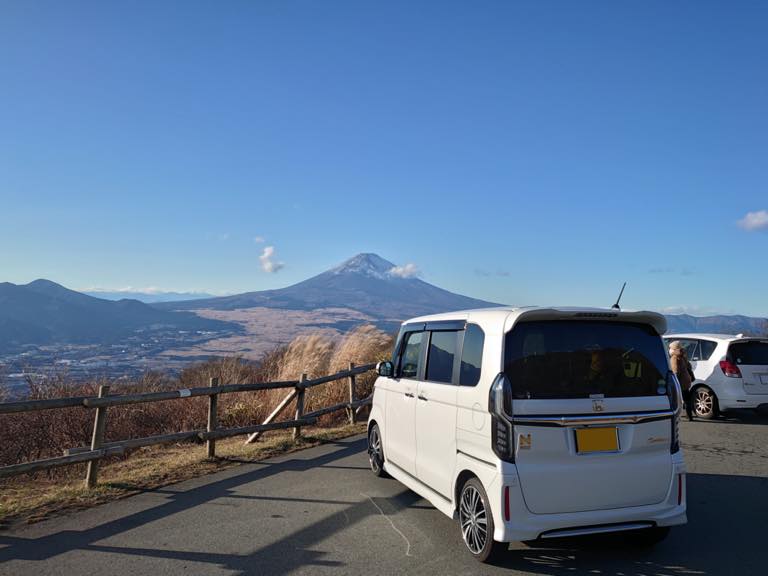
[(409, 270), (259, 240), (268, 264), (156, 291), (147, 290), (755, 221)]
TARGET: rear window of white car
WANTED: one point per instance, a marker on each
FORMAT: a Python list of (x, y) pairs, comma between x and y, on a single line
[(753, 353), (579, 359)]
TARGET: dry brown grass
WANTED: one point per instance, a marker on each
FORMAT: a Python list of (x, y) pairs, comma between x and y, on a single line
[(146, 469), (36, 435), (363, 345)]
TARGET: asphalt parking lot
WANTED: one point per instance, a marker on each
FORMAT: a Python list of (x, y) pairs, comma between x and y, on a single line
[(321, 512)]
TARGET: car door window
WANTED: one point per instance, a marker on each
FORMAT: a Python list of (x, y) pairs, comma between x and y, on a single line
[(411, 355), (471, 355), (707, 347), (442, 351), (691, 348), (694, 353)]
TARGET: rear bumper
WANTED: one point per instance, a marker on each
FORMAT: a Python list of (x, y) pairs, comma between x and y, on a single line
[(524, 525), (742, 401)]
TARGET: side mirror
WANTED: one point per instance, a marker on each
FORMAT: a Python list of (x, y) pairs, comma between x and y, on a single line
[(385, 369)]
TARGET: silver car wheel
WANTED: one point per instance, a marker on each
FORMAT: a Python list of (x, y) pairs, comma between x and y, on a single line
[(703, 402), (473, 518), (374, 449)]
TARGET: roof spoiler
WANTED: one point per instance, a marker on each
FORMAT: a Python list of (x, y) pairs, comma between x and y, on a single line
[(658, 321)]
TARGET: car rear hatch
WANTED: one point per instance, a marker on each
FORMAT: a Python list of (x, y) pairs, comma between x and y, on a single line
[(592, 415), (750, 355)]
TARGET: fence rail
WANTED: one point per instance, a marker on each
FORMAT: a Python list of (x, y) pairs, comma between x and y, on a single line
[(101, 403)]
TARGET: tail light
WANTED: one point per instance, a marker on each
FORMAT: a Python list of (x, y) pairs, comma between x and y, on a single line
[(675, 403), (675, 445), (730, 369), (500, 407)]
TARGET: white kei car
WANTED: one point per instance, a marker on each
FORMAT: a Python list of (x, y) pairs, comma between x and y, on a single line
[(730, 371), (527, 423)]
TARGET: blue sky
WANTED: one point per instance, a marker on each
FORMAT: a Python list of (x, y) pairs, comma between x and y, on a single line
[(521, 152)]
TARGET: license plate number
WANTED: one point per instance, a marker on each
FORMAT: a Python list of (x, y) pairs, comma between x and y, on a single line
[(590, 440)]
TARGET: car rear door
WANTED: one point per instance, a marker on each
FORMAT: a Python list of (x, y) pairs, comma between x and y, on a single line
[(436, 410), (592, 415), (751, 357)]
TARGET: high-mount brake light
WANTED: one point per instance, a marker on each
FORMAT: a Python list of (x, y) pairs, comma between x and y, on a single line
[(730, 369)]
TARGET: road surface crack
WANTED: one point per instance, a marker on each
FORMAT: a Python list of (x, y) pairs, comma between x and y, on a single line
[(395, 528)]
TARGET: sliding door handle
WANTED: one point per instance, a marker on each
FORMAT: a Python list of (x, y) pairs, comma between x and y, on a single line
[(422, 397)]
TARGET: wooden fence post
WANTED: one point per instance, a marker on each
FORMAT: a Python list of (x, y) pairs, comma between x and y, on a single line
[(99, 424), (352, 395), (300, 390), (213, 417)]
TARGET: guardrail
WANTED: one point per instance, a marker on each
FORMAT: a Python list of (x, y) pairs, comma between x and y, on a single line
[(101, 403)]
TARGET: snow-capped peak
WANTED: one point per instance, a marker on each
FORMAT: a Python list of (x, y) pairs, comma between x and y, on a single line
[(367, 265)]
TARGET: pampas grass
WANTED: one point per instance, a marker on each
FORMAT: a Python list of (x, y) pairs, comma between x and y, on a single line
[(34, 435)]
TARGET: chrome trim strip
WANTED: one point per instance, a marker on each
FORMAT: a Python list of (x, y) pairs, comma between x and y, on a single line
[(633, 418), (596, 530)]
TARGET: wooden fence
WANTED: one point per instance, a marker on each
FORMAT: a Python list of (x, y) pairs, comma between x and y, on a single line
[(101, 403)]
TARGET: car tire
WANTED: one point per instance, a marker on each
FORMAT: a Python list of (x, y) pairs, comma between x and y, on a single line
[(651, 536), (705, 404), (376, 451), (476, 522)]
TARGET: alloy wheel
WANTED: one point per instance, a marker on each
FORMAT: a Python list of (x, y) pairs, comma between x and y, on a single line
[(375, 454), (473, 518), (703, 402)]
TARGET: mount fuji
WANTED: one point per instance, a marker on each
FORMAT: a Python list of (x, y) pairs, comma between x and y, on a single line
[(366, 283)]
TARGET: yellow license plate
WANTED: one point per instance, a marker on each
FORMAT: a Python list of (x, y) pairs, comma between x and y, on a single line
[(597, 440)]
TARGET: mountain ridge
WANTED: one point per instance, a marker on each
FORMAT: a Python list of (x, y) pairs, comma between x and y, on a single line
[(146, 297), (44, 312)]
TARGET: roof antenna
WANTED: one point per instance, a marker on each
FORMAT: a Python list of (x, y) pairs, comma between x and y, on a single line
[(616, 306)]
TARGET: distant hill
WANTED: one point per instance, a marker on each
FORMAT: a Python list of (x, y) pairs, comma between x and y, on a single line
[(147, 297), (43, 312), (366, 283), (717, 324)]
